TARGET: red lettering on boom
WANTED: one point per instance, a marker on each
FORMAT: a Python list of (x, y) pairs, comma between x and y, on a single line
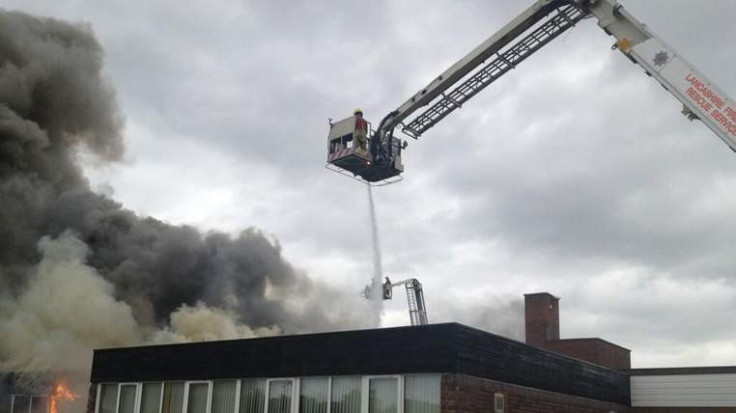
[(731, 113), (724, 122), (703, 88), (699, 99)]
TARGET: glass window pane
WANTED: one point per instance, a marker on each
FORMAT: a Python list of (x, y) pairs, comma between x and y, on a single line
[(252, 396), (422, 393), (313, 395), (151, 397), (127, 398), (173, 401), (39, 404), (223, 396), (21, 404), (197, 402), (4, 399), (108, 398), (279, 396), (383, 395), (345, 395)]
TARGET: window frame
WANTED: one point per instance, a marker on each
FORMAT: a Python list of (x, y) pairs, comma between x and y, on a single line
[(265, 391), (160, 398), (12, 402), (329, 391), (237, 395), (295, 388), (365, 391), (362, 390), (183, 396), (98, 397), (38, 396), (136, 402), (185, 405), (295, 393), (212, 390), (439, 394)]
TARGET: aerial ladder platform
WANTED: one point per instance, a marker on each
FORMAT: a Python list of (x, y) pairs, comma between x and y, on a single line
[(414, 297)]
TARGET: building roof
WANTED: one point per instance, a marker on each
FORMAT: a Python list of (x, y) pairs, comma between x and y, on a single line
[(435, 348), (671, 371), (593, 339)]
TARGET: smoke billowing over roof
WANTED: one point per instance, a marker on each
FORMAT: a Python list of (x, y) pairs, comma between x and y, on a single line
[(77, 270)]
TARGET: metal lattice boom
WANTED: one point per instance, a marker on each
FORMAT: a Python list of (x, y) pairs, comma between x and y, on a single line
[(566, 17), (417, 309)]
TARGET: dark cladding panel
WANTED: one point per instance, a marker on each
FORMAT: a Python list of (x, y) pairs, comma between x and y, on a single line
[(379, 351), (486, 355)]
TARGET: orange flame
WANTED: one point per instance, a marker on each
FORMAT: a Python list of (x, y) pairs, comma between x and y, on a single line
[(61, 392)]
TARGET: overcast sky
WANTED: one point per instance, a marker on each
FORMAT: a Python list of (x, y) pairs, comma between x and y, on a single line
[(574, 174)]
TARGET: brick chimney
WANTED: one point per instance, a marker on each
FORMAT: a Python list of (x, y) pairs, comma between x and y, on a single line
[(542, 314), (542, 311)]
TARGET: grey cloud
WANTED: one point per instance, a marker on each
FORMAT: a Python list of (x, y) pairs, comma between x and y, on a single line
[(572, 165)]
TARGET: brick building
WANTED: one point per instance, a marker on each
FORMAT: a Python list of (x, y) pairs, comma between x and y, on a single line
[(440, 368), (425, 369), (662, 390), (27, 393), (542, 313)]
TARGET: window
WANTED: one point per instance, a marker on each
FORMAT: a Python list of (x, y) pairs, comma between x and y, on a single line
[(151, 398), (422, 393), (20, 404), (411, 393), (345, 396), (252, 396), (383, 395), (39, 404), (173, 400), (223, 396), (197, 396), (279, 396), (108, 398), (126, 404), (313, 394)]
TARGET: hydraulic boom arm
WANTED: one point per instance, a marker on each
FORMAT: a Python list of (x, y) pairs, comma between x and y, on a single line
[(537, 26), (547, 19), (511, 45)]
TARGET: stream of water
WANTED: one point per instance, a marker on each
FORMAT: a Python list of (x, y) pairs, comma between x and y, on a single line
[(376, 294)]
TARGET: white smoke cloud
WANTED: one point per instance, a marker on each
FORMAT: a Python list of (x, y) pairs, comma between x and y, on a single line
[(66, 310), (202, 323)]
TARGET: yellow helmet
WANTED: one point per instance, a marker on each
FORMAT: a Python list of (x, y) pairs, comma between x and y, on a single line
[(356, 111)]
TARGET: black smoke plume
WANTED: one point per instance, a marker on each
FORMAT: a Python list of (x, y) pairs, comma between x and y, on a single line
[(54, 101)]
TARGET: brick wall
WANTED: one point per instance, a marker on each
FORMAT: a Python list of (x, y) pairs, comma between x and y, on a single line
[(683, 410), (470, 394), (593, 350), (92, 398)]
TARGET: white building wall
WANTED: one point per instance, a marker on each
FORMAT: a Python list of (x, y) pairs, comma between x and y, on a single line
[(686, 390)]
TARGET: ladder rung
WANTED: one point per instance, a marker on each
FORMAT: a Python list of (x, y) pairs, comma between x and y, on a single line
[(565, 18)]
